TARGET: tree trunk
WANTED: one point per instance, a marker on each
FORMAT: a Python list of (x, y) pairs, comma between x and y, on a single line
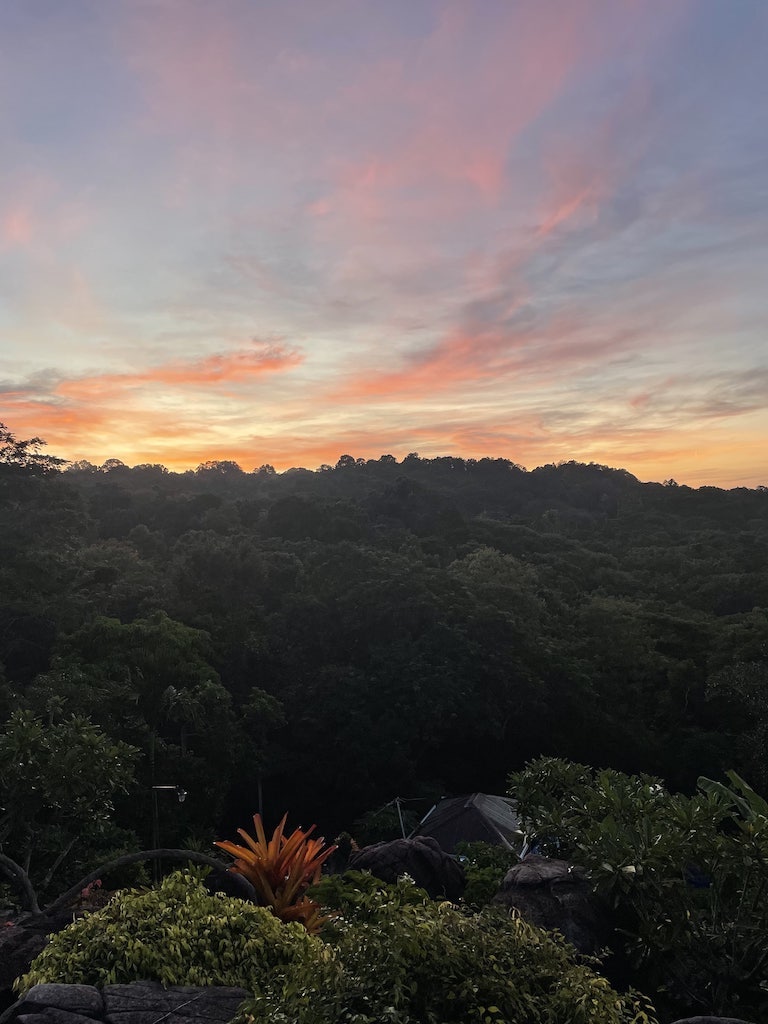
[(17, 873)]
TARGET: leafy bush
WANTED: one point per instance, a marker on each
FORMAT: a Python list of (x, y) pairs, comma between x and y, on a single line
[(355, 896), (58, 781), (687, 876), (178, 934), (402, 958), (396, 956), (485, 865)]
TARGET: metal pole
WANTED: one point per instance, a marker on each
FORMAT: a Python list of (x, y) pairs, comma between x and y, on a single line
[(155, 837), (181, 793), (400, 815)]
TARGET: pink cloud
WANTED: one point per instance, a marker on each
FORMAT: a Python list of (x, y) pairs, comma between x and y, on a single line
[(221, 368), (37, 215), (16, 227)]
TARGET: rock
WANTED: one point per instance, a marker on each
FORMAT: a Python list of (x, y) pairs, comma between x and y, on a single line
[(51, 1015), (711, 1020), (231, 883), (81, 999), (422, 858), (143, 1002), (146, 1002), (558, 896), (23, 940), (18, 948)]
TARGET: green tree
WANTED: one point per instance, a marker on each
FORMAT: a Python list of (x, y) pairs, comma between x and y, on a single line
[(740, 693), (25, 455), (58, 782), (686, 876), (177, 711)]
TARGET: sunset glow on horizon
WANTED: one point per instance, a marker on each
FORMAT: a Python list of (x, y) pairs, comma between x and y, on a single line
[(281, 232)]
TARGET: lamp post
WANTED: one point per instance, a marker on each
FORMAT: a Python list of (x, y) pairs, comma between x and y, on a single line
[(181, 795)]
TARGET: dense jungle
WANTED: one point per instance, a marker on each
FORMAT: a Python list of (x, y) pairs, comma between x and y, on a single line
[(325, 641)]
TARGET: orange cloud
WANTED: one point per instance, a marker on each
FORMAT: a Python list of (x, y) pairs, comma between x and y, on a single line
[(110, 412), (221, 368), (524, 429)]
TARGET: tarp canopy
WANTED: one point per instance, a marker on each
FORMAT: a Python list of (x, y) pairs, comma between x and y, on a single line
[(479, 817)]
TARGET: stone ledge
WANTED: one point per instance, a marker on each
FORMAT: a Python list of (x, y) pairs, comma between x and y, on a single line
[(142, 1002)]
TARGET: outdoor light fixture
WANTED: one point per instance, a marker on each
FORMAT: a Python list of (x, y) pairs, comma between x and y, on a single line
[(181, 796), (180, 792)]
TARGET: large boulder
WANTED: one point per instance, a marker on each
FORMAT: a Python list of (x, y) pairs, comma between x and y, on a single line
[(143, 1002), (231, 883), (146, 1002), (18, 948), (422, 858), (558, 896), (20, 942), (712, 1020)]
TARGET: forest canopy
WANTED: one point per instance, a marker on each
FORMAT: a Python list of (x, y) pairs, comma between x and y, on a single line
[(325, 641)]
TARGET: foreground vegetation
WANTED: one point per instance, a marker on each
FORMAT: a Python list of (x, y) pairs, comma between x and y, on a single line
[(679, 886), (683, 879), (391, 955), (379, 628), (328, 640)]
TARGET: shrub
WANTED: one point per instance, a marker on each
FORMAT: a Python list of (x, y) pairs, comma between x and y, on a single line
[(485, 865), (177, 934), (402, 958), (356, 895), (687, 876)]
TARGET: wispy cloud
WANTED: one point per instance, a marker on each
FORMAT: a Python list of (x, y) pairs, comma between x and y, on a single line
[(211, 372), (534, 230)]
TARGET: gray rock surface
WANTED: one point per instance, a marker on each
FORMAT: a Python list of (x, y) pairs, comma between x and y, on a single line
[(53, 1015), (144, 1002), (83, 999), (422, 858), (148, 1002), (558, 896), (21, 941), (712, 1020)]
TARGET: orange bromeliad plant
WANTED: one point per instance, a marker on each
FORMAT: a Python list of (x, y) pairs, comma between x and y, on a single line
[(281, 868)]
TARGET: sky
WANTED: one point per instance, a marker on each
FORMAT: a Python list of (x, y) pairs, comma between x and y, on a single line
[(279, 232)]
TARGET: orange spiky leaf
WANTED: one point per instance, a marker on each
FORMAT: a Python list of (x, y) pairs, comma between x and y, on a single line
[(281, 868)]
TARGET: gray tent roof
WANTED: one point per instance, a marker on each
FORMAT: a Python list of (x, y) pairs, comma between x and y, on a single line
[(478, 817)]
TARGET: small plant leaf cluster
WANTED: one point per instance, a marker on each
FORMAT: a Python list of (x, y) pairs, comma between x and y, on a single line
[(281, 869), (485, 866)]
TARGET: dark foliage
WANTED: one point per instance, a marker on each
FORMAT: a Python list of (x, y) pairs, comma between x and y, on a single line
[(331, 640)]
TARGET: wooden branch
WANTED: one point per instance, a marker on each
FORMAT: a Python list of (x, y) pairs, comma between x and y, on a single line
[(52, 870), (21, 878), (131, 858)]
